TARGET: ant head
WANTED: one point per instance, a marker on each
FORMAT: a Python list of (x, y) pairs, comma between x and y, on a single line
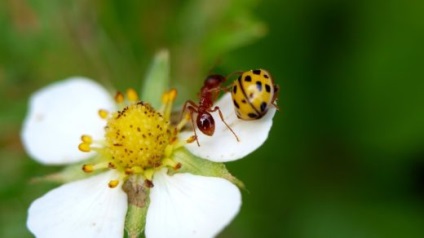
[(206, 123), (214, 80)]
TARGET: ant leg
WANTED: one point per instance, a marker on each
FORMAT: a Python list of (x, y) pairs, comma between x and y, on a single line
[(191, 107), (234, 73), (228, 88), (222, 119), (187, 104)]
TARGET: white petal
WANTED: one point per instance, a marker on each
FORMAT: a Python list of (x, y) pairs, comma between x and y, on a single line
[(57, 117), (186, 205), (85, 208), (223, 146)]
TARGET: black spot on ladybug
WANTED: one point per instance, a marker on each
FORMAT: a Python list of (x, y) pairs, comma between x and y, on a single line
[(263, 106), (248, 78), (235, 89), (243, 100), (266, 76), (252, 115), (257, 71), (236, 104), (259, 85), (267, 88)]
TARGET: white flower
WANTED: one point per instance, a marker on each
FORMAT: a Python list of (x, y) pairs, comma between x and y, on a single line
[(181, 204)]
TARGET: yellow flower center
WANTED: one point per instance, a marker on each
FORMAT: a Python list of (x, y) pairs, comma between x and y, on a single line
[(136, 137), (138, 140)]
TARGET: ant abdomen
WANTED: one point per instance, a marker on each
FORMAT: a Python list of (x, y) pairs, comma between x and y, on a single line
[(206, 123)]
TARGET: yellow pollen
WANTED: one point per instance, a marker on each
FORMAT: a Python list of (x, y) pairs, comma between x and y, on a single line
[(119, 97), (87, 139), (132, 95), (113, 183), (88, 168), (136, 138), (172, 94), (171, 163), (103, 113), (84, 147), (167, 99), (191, 139)]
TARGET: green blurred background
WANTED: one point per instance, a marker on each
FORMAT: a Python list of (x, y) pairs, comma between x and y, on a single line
[(345, 157)]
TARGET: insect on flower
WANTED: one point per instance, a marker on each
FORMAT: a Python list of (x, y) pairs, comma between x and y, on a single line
[(207, 96), (127, 147), (253, 92)]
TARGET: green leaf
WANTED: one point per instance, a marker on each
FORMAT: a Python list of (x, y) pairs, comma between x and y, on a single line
[(157, 80), (198, 166), (226, 38)]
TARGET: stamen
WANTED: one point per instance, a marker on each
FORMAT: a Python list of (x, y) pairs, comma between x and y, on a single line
[(119, 97), (172, 94), (183, 121), (168, 150), (132, 95), (134, 170), (191, 139), (88, 168), (148, 174), (87, 139), (167, 100), (103, 113), (171, 163), (139, 140), (113, 183), (84, 147)]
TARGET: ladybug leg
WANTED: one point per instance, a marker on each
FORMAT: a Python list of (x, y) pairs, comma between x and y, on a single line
[(274, 98), (222, 119)]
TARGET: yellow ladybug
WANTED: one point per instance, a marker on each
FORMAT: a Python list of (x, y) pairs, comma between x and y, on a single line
[(253, 92)]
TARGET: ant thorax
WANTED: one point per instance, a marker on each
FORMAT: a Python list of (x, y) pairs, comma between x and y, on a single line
[(212, 82)]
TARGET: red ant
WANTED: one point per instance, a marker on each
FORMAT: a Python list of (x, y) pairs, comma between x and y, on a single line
[(208, 94)]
